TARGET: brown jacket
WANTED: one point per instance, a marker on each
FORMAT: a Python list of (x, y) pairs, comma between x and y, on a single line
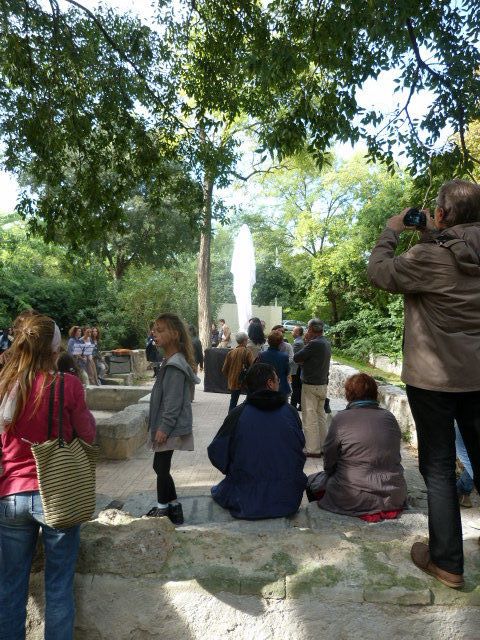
[(233, 365), (362, 463), (440, 281)]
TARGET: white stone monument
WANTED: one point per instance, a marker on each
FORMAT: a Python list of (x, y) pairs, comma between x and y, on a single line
[(243, 270)]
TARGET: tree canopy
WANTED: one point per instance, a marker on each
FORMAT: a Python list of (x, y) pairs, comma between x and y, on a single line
[(84, 91), (100, 110)]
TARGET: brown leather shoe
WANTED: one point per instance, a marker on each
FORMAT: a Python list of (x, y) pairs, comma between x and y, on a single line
[(421, 558)]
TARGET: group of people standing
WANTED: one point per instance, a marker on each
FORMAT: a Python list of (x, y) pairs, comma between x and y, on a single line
[(262, 445), (221, 335), (302, 369), (83, 345)]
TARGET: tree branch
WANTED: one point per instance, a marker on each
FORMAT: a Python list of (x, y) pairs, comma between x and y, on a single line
[(420, 62), (445, 81), (256, 172), (125, 58), (398, 113)]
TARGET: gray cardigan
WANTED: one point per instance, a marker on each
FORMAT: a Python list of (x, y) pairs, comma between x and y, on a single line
[(170, 400)]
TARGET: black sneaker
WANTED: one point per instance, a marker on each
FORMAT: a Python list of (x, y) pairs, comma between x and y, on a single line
[(157, 512), (175, 513)]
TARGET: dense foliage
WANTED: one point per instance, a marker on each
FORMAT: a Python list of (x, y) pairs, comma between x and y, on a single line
[(79, 289), (121, 132)]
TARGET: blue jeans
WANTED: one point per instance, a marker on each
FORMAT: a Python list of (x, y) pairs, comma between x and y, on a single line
[(465, 482), (21, 518)]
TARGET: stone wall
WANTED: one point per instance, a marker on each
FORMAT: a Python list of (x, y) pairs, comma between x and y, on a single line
[(140, 579), (385, 364), (391, 397), (395, 400), (139, 362)]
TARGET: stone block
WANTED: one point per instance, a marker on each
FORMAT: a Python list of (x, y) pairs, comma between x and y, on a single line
[(395, 400), (326, 521), (119, 380), (264, 586), (314, 580), (139, 362), (120, 435), (467, 597), (385, 364), (397, 595), (215, 579), (118, 544), (300, 587), (336, 379), (114, 398)]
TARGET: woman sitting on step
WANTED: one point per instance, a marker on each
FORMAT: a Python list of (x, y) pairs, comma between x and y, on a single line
[(363, 473)]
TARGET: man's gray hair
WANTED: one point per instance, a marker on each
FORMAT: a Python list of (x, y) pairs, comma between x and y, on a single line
[(316, 325), (240, 337), (460, 201)]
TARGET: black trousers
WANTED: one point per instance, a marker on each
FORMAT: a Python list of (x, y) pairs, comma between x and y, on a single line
[(162, 461), (234, 398), (434, 413), (296, 397)]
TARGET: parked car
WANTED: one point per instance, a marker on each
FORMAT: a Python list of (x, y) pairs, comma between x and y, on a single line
[(289, 324)]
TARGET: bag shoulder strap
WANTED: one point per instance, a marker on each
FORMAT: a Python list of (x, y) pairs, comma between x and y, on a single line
[(61, 441), (50, 408)]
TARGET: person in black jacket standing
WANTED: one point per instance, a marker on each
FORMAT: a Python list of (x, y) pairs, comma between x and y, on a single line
[(197, 348), (315, 361), (295, 369)]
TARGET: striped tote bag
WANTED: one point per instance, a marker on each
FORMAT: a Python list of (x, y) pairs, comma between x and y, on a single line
[(66, 473)]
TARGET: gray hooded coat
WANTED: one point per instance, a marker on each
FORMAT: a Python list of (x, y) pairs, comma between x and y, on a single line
[(170, 400)]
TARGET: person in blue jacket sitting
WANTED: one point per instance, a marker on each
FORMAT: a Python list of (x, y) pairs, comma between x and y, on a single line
[(259, 448)]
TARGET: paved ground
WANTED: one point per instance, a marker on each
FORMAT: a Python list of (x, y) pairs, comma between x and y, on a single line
[(313, 576), (192, 471), (133, 481)]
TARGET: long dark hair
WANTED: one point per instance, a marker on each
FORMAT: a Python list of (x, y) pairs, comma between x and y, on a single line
[(255, 333)]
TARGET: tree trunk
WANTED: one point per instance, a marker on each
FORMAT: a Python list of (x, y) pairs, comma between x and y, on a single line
[(204, 317)]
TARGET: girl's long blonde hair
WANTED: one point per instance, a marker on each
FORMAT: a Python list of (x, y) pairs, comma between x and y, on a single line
[(174, 323), (30, 353)]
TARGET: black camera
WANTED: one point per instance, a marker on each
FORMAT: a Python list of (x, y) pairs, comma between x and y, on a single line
[(415, 218)]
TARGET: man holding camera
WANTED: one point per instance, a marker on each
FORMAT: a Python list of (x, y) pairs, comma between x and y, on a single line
[(440, 280)]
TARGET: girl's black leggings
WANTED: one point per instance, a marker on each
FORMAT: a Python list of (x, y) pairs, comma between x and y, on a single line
[(162, 461)]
